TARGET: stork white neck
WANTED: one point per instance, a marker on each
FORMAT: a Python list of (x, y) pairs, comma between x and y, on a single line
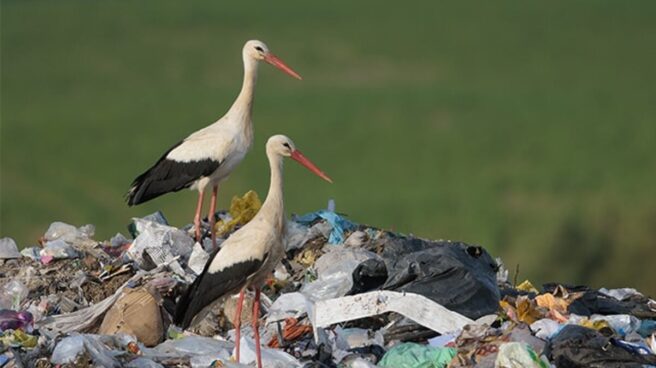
[(243, 105), (273, 208)]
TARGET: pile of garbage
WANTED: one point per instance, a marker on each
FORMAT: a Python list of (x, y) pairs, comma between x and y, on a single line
[(346, 295)]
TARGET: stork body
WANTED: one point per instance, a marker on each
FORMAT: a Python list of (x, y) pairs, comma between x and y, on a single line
[(251, 253), (208, 156)]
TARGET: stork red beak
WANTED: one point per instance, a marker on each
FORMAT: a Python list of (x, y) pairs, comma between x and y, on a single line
[(273, 60), (298, 156)]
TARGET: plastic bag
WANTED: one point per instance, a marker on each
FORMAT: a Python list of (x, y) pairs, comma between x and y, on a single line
[(518, 355), (458, 276), (335, 270), (411, 355), (12, 295)]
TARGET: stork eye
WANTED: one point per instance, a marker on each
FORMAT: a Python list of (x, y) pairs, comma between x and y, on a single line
[(258, 48), (287, 145)]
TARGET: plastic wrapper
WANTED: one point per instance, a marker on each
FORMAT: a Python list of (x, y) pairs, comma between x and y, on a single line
[(12, 295)]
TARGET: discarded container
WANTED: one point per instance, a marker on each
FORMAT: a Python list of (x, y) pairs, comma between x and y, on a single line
[(136, 313), (411, 355)]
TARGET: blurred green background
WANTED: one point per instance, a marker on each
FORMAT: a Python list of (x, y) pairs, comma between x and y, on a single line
[(526, 127)]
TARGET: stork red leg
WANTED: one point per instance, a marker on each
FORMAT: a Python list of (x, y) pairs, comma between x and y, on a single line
[(212, 214), (256, 318), (199, 207), (240, 305)]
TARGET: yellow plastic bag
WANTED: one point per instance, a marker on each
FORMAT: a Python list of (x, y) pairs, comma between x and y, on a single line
[(242, 210)]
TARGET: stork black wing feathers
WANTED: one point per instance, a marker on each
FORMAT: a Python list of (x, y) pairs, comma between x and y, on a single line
[(210, 286), (168, 176)]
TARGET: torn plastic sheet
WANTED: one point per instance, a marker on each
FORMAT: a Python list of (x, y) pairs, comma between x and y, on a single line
[(271, 358), (290, 305), (335, 270), (70, 347), (201, 351), (338, 223), (413, 306)]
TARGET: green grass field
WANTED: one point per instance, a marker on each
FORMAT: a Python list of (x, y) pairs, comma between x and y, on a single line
[(527, 127)]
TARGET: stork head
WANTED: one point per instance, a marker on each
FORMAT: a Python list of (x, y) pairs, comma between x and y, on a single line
[(258, 50), (283, 146)]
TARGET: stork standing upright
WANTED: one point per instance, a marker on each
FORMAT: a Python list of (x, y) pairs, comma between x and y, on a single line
[(251, 253), (209, 155)]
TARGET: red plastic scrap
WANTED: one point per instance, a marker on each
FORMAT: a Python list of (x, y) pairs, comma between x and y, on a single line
[(292, 331)]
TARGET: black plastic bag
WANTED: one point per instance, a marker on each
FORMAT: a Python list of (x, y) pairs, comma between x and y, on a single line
[(577, 346), (459, 276)]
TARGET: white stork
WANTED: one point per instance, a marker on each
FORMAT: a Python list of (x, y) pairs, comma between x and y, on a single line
[(209, 155), (251, 253)]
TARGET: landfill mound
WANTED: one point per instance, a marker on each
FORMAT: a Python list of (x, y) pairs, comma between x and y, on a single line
[(346, 295)]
